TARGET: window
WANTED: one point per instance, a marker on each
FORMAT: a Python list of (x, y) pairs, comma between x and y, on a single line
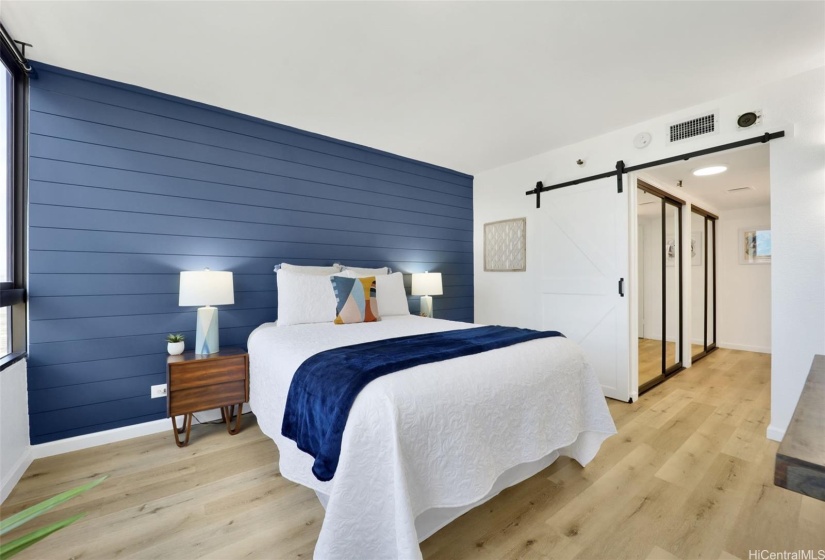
[(755, 245), (13, 83), (6, 143)]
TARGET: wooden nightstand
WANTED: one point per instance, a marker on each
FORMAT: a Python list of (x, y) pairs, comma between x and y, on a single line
[(196, 382)]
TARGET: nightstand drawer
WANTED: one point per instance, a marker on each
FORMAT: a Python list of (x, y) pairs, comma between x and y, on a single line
[(197, 382), (203, 398), (186, 375)]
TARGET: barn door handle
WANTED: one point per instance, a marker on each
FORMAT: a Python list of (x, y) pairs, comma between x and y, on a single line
[(621, 287)]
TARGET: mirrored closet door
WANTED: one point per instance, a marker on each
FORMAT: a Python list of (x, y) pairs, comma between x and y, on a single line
[(703, 282), (660, 285)]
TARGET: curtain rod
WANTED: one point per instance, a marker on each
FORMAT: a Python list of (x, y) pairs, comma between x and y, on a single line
[(622, 169), (12, 46)]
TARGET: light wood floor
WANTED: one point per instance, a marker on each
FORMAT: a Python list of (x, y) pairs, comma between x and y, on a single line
[(690, 475), (650, 357)]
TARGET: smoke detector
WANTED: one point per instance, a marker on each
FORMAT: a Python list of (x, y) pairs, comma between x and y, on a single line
[(642, 139)]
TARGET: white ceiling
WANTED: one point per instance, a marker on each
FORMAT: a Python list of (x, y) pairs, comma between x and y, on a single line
[(466, 85), (747, 167)]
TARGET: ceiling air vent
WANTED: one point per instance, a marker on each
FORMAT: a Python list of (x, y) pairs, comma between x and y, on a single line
[(706, 124), (738, 190)]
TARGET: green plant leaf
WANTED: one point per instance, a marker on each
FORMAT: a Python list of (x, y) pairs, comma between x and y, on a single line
[(9, 549), (36, 510)]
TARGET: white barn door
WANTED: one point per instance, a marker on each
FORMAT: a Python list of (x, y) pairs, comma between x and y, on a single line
[(584, 246)]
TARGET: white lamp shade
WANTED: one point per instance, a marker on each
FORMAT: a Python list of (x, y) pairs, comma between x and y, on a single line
[(426, 284), (206, 287)]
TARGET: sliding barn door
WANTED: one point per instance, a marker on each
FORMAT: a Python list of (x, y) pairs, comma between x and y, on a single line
[(584, 263)]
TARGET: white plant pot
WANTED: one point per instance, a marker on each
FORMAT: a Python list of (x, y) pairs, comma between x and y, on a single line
[(174, 348)]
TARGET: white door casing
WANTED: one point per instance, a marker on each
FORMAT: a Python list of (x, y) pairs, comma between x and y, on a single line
[(584, 241)]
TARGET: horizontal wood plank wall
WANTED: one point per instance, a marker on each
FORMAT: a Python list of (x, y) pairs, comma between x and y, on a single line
[(128, 187)]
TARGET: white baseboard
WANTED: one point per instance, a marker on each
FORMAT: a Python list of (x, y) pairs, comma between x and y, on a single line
[(118, 434), (16, 473), (775, 433), (744, 347), (99, 438)]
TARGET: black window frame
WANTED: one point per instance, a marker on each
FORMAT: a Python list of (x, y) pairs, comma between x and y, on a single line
[(13, 293)]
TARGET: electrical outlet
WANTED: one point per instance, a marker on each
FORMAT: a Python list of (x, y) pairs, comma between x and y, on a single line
[(158, 391)]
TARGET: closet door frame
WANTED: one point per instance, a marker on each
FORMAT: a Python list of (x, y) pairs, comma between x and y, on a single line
[(668, 199), (710, 220)]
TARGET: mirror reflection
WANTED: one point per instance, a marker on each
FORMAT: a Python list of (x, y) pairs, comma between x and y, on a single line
[(659, 279)]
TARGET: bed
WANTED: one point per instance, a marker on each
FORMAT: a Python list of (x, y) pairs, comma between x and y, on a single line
[(424, 445)]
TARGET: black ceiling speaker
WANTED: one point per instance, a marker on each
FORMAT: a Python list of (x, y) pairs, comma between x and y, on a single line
[(747, 119)]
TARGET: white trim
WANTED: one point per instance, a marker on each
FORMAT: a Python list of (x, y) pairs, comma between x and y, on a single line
[(17, 472), (99, 438), (744, 347), (775, 433), (86, 441)]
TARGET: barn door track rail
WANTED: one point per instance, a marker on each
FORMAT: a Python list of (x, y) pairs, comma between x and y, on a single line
[(621, 169)]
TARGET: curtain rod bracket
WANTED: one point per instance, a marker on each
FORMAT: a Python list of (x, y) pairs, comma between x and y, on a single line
[(22, 47), (11, 45)]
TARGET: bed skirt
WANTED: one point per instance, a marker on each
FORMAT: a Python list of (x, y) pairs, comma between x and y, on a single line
[(433, 520)]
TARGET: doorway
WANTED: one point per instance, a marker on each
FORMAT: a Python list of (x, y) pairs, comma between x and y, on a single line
[(725, 261), (660, 268)]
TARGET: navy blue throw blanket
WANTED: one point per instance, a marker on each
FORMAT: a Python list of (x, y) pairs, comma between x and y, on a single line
[(326, 384)]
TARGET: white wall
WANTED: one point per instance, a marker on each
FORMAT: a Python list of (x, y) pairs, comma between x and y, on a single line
[(797, 165), (744, 298), (15, 453)]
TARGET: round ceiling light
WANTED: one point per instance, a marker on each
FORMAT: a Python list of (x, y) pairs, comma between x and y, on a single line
[(712, 170)]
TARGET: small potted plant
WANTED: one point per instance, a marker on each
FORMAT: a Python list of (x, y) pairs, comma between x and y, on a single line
[(174, 344)]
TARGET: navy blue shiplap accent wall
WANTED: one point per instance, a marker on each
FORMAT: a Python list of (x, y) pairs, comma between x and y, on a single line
[(128, 187)]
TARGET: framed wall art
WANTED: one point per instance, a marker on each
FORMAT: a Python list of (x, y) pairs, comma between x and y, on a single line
[(505, 246), (696, 248)]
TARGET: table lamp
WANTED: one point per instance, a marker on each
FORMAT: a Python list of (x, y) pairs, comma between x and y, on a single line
[(207, 288), (426, 285)]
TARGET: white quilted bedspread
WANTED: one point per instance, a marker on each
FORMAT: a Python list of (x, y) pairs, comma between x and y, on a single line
[(432, 436)]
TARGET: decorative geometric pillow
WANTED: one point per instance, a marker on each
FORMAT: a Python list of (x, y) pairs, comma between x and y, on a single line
[(356, 301)]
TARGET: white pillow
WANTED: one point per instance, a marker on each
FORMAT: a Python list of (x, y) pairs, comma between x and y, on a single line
[(392, 297), (304, 298), (363, 272), (320, 270)]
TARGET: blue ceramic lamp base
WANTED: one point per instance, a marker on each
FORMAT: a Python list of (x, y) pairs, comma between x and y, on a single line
[(206, 336)]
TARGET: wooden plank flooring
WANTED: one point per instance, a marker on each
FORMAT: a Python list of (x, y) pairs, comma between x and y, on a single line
[(690, 475), (650, 357)]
